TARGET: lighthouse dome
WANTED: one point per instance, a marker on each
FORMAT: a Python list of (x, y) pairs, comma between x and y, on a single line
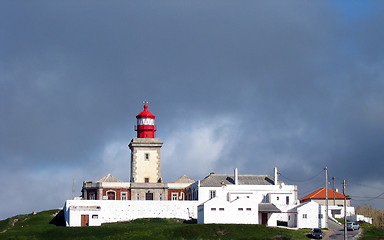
[(145, 113)]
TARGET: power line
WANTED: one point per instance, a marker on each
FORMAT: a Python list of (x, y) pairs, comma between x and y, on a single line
[(366, 200), (363, 185), (304, 180), (370, 198), (312, 189)]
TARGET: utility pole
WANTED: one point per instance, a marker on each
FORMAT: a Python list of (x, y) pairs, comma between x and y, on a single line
[(326, 197), (345, 212)]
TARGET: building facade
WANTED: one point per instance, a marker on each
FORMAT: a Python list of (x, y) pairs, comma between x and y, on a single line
[(335, 202)]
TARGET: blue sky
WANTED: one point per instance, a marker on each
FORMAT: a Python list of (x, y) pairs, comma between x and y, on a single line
[(255, 85)]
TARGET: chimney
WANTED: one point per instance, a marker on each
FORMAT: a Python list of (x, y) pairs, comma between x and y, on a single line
[(236, 177), (275, 179)]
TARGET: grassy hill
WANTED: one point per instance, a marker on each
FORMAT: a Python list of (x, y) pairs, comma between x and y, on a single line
[(44, 225)]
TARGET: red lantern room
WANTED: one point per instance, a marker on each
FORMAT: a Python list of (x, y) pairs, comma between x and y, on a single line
[(145, 127)]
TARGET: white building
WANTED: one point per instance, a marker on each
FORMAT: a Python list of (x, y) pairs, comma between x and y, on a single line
[(307, 215), (335, 202), (253, 199)]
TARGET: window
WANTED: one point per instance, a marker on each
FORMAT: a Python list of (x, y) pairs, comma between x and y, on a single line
[(137, 196), (147, 156), (305, 216), (277, 198), (287, 200), (92, 196), (336, 211), (95, 216), (212, 194), (160, 196), (124, 196), (146, 180), (249, 209), (240, 209), (320, 215), (111, 195), (174, 196), (213, 209), (221, 209)]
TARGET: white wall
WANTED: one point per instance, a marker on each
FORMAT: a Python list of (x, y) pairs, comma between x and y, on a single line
[(274, 217), (218, 210), (356, 218), (312, 210), (115, 211), (350, 211)]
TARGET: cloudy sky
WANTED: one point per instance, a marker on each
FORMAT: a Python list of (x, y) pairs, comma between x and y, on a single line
[(297, 85)]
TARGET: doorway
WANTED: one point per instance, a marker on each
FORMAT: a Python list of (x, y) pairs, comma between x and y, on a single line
[(264, 219), (84, 220), (148, 196)]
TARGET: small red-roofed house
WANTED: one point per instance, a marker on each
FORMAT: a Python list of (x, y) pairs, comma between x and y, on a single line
[(335, 202)]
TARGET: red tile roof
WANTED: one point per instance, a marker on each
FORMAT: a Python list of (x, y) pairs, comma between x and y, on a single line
[(320, 194)]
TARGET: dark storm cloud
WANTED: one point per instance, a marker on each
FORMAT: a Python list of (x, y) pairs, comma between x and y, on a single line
[(294, 85)]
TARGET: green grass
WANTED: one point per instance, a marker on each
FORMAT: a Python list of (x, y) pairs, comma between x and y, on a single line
[(371, 231), (38, 227)]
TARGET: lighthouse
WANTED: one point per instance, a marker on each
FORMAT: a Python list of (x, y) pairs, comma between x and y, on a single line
[(145, 127), (145, 150)]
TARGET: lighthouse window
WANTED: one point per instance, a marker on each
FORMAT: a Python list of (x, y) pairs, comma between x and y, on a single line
[(147, 156), (145, 121)]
